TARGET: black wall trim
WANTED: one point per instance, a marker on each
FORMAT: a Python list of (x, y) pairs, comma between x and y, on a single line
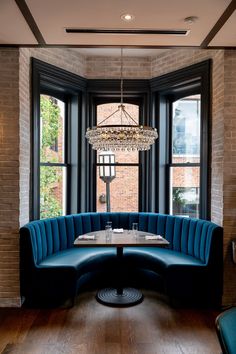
[(182, 77), (113, 85), (52, 76)]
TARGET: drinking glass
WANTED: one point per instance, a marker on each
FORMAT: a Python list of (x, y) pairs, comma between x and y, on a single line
[(109, 223), (135, 229), (108, 232)]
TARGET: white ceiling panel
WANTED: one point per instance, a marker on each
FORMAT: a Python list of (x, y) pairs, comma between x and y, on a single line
[(227, 35), (13, 27), (52, 16)]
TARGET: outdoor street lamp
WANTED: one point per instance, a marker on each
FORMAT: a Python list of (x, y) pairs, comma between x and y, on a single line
[(107, 172)]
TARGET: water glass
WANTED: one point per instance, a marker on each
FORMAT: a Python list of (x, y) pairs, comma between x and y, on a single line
[(135, 229), (108, 232), (109, 223)]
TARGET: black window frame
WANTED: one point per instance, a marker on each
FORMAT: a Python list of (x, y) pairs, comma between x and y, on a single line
[(133, 99), (54, 81), (108, 91), (66, 164), (171, 99), (166, 88)]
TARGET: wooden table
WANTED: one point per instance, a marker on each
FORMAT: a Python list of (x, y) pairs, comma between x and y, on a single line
[(120, 297)]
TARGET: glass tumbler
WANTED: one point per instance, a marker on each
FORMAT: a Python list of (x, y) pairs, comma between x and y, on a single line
[(135, 229), (109, 223), (108, 232)]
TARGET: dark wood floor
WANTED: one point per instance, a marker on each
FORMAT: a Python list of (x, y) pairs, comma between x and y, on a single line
[(90, 328)]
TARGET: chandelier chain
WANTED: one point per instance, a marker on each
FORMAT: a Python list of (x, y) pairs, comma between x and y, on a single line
[(121, 84), (121, 77)]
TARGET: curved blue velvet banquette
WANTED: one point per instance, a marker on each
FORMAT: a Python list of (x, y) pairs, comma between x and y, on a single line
[(190, 268)]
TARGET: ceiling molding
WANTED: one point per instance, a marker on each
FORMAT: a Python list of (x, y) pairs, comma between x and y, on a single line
[(219, 24), (30, 20)]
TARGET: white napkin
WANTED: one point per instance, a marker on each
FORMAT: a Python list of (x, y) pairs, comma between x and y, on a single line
[(86, 237), (155, 237), (118, 231)]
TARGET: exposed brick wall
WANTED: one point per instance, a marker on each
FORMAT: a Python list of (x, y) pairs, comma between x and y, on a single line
[(110, 67), (67, 59), (217, 139), (229, 168), (25, 129), (9, 177)]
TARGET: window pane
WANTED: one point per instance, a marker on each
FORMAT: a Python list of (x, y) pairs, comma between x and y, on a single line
[(124, 187), (52, 117), (184, 191), (186, 130), (52, 191), (104, 111), (123, 190)]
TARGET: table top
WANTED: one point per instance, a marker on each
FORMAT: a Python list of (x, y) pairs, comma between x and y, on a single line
[(124, 239)]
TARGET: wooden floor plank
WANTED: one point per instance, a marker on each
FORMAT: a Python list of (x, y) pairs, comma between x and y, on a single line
[(152, 327)]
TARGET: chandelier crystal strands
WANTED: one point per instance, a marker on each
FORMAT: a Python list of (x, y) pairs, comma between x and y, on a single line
[(125, 137)]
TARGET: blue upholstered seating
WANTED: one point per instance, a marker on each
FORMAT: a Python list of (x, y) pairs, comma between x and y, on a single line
[(190, 268), (226, 324)]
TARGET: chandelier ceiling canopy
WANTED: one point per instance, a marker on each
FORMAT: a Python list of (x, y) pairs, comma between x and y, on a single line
[(127, 137)]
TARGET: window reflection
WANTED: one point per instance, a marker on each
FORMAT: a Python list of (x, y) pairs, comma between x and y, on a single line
[(124, 188), (52, 157), (186, 130), (185, 148)]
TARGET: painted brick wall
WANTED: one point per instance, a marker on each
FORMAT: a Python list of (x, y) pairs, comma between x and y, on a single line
[(9, 177), (229, 168), (110, 67)]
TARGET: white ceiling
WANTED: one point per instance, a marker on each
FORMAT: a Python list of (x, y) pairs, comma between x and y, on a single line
[(53, 16)]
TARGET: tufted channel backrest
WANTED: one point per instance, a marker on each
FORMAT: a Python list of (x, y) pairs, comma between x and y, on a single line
[(195, 237)]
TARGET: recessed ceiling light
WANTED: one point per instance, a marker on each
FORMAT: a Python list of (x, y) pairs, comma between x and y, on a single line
[(127, 17)]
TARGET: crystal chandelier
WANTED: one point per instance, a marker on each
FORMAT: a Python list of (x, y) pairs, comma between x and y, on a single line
[(128, 136)]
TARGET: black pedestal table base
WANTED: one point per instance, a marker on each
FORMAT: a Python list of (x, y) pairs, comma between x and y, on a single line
[(119, 297), (128, 297)]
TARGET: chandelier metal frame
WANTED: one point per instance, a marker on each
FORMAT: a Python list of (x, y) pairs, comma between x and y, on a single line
[(128, 137)]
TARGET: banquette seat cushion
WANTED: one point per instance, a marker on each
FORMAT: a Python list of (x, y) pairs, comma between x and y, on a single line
[(191, 267)]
